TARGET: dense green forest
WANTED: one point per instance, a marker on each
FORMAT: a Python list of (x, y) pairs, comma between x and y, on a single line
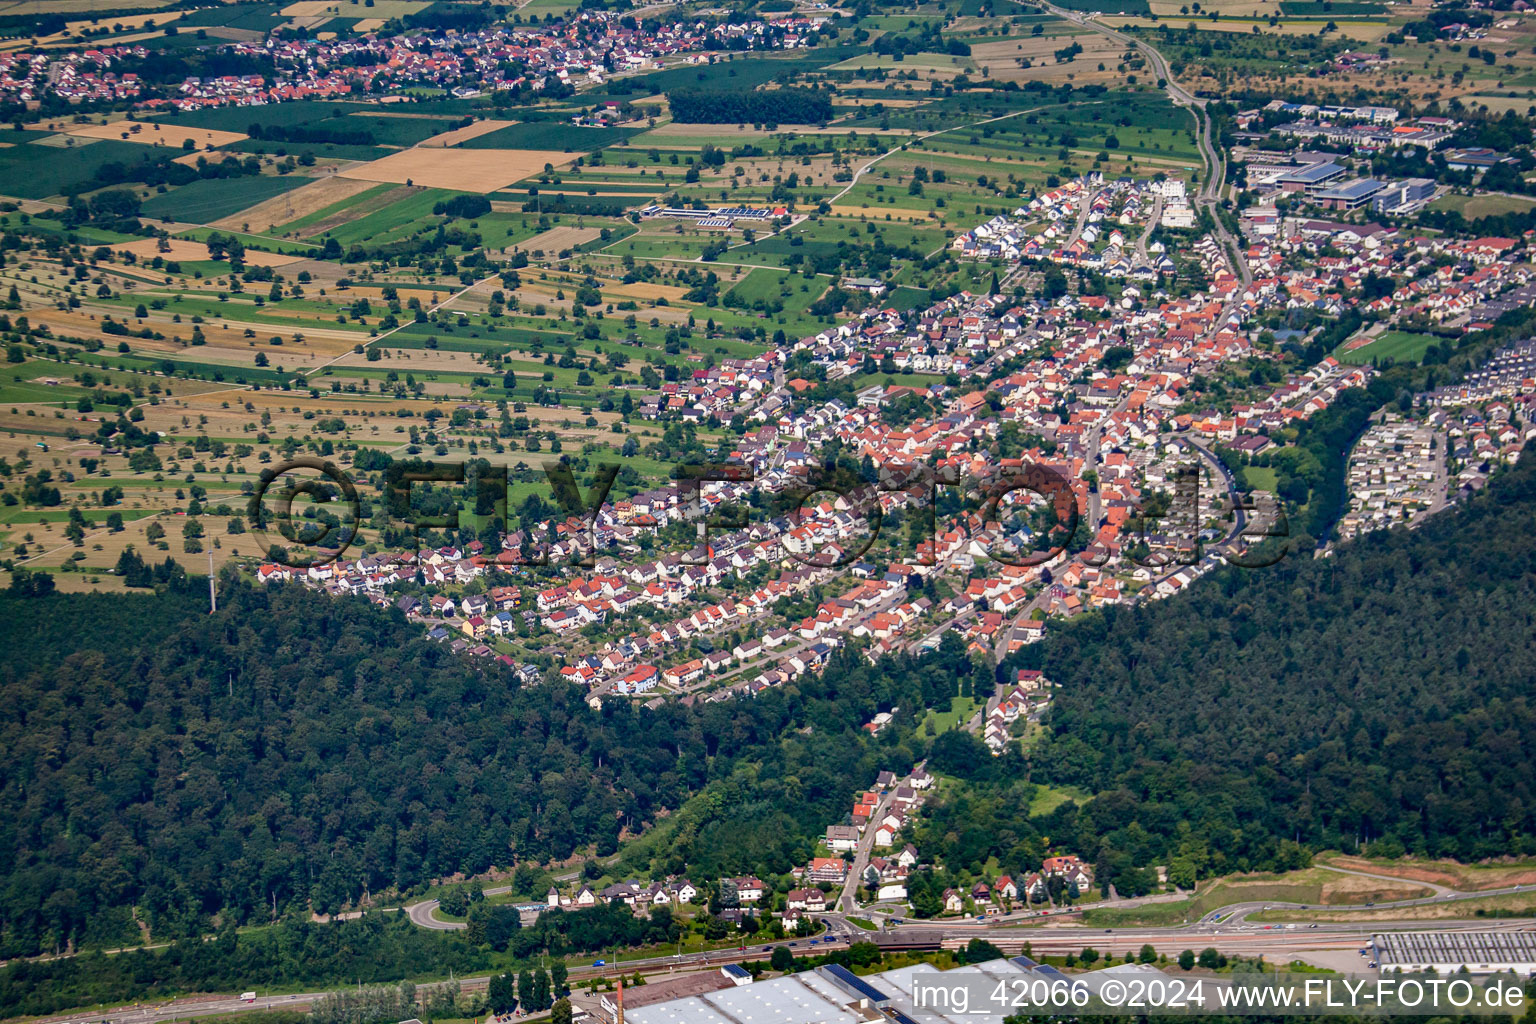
[(294, 752), (1378, 699)]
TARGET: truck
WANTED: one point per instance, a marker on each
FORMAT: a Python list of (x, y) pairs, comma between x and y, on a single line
[(247, 997)]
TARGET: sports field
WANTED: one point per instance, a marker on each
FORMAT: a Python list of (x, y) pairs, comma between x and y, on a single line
[(1398, 346)]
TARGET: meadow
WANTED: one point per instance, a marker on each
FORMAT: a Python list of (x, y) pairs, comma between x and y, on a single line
[(211, 199)]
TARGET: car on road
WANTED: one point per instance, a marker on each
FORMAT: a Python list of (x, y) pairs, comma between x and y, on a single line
[(599, 963)]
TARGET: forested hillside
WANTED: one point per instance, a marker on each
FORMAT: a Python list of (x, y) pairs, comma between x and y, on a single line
[(1378, 698), (296, 751)]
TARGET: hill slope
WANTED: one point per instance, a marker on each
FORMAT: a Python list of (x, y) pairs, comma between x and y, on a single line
[(1382, 696)]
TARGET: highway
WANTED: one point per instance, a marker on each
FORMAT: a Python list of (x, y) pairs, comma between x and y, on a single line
[(1209, 193), (1226, 929)]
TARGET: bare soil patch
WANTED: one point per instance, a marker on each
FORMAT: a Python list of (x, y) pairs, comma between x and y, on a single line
[(1463, 877), (557, 240)]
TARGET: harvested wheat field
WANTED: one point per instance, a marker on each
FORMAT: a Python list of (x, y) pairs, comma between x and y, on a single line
[(181, 249), (559, 239), (301, 202), (469, 131), (156, 134), (465, 170), (914, 216), (645, 290)]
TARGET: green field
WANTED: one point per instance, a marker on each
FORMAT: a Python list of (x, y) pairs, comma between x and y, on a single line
[(399, 218), (1473, 207), (34, 171), (210, 199), (1398, 346), (1331, 8), (1107, 6), (960, 711), (551, 135), (238, 119), (1048, 798)]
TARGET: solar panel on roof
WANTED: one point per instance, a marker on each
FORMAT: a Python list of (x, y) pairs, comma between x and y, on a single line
[(1024, 961), (846, 979)]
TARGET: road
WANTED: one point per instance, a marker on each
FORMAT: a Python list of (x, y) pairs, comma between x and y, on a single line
[(1227, 930), (1152, 222), (1208, 195), (866, 847)]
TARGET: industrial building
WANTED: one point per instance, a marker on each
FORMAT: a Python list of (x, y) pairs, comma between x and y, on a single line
[(835, 995), (1311, 178), (1403, 196), (1448, 952), (1349, 195), (831, 995)]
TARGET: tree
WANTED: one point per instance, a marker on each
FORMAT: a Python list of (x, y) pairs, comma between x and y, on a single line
[(561, 1013), (1187, 959), (525, 988), (133, 569), (559, 979), (501, 993), (29, 583), (1147, 955), (782, 959), (144, 460), (1211, 958)]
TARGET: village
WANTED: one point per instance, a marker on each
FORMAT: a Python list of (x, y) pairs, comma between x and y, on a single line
[(586, 49), (769, 602), (863, 864)]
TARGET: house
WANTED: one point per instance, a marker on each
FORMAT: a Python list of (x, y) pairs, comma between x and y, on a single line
[(1070, 870), (748, 890), (827, 869), (954, 903), (885, 835), (842, 837), (812, 900), (1004, 889)]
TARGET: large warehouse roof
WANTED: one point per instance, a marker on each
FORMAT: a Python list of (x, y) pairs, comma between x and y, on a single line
[(1479, 952)]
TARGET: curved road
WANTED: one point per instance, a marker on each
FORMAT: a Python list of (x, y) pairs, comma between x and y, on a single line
[(1209, 194)]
